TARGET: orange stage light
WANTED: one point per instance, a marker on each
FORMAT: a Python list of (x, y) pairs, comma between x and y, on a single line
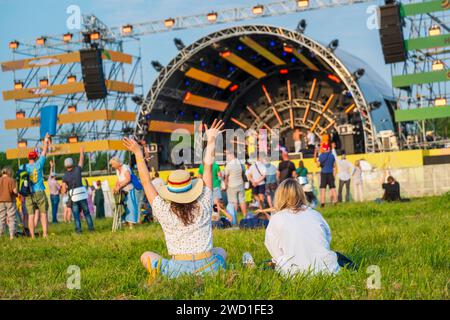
[(67, 37), (72, 108), (169, 23), (95, 35), (259, 9), (212, 16), (41, 41), (71, 79), (18, 85), (72, 139), (43, 82), (13, 45), (20, 114), (234, 88), (22, 144), (127, 29)]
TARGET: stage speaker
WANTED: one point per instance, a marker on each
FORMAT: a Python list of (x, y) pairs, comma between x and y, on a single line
[(92, 71), (154, 161), (391, 33)]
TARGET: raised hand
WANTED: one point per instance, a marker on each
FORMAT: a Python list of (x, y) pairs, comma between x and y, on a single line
[(215, 130), (132, 146)]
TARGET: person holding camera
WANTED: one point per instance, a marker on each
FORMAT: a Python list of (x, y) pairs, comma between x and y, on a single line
[(78, 195)]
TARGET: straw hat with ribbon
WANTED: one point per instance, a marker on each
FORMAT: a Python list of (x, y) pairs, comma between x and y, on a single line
[(181, 188)]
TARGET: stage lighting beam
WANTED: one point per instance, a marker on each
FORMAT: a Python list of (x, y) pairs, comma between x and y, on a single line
[(252, 44), (311, 94), (240, 124), (243, 64)]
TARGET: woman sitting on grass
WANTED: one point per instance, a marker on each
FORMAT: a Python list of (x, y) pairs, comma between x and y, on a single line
[(184, 208), (298, 238)]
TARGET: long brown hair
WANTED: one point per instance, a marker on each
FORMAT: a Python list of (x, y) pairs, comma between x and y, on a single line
[(185, 211)]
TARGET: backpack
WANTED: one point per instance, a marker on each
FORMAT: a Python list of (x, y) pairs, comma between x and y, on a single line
[(23, 181), (135, 181)]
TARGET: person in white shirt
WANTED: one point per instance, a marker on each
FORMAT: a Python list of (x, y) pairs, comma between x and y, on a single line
[(157, 181), (345, 169), (311, 140), (234, 182), (257, 177), (184, 209), (357, 181), (297, 237)]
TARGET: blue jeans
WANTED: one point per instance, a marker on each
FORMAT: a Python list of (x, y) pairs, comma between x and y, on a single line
[(54, 199), (76, 208)]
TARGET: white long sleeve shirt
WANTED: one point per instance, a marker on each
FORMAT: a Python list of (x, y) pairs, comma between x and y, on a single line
[(300, 242)]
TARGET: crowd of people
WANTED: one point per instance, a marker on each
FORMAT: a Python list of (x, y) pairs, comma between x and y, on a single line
[(188, 207)]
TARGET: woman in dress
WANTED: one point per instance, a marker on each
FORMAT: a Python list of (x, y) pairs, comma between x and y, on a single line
[(184, 208), (357, 182), (124, 185)]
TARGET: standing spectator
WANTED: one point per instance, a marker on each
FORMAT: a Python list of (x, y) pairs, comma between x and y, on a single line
[(302, 173), (73, 185), (123, 184), (311, 140), (55, 189), (345, 168), (37, 200), (327, 162), (67, 211), (99, 201), (357, 182), (391, 188), (234, 181), (217, 193), (157, 181), (8, 192), (286, 168), (297, 137), (90, 198), (256, 176), (271, 182)]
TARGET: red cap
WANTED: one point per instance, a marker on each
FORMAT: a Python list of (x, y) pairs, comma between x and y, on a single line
[(32, 155)]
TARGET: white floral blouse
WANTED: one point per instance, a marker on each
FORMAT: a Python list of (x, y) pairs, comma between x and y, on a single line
[(191, 239)]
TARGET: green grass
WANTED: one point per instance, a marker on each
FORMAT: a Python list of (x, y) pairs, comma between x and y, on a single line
[(408, 241)]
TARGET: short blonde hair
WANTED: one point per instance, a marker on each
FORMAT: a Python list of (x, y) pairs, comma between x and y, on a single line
[(289, 195), (115, 159)]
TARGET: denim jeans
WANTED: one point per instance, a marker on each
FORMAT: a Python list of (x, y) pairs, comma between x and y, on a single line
[(76, 208), (54, 199)]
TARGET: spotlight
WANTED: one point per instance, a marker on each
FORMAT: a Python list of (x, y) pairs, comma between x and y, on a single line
[(179, 43), (258, 9), (127, 29), (234, 88), (137, 99), (13, 45), (72, 108), (18, 85), (437, 65), (301, 26), (288, 49), (334, 78), (434, 30), (333, 44), (20, 114), (71, 79), (359, 73), (225, 54), (439, 102), (157, 66), (302, 3), (22, 144), (212, 16), (67, 37), (374, 105), (41, 41), (95, 35), (169, 23), (284, 71), (72, 139), (43, 82)]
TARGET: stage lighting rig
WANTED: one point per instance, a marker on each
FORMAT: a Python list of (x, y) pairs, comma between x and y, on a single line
[(179, 43), (333, 44), (358, 73), (301, 26), (157, 66)]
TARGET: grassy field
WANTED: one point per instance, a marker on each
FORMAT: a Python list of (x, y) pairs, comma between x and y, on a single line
[(408, 241)]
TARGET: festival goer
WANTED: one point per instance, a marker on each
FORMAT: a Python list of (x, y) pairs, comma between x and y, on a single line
[(302, 173), (311, 140), (157, 181), (391, 188), (257, 177), (286, 168), (217, 176), (73, 185), (55, 189), (8, 193), (345, 169), (271, 181), (357, 182), (123, 184), (67, 211), (234, 182), (298, 238), (297, 137), (184, 208), (327, 163), (37, 201), (90, 198), (99, 201)]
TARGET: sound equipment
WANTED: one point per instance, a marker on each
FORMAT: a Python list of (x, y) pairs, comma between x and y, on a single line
[(92, 70), (154, 161), (391, 33)]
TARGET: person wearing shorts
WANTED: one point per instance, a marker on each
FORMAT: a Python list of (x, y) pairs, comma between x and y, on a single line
[(327, 162), (257, 177), (234, 182), (37, 200)]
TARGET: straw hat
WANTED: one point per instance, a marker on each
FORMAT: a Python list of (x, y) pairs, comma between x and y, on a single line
[(181, 188)]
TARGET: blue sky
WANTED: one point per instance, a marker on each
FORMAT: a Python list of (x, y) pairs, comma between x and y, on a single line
[(26, 20)]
